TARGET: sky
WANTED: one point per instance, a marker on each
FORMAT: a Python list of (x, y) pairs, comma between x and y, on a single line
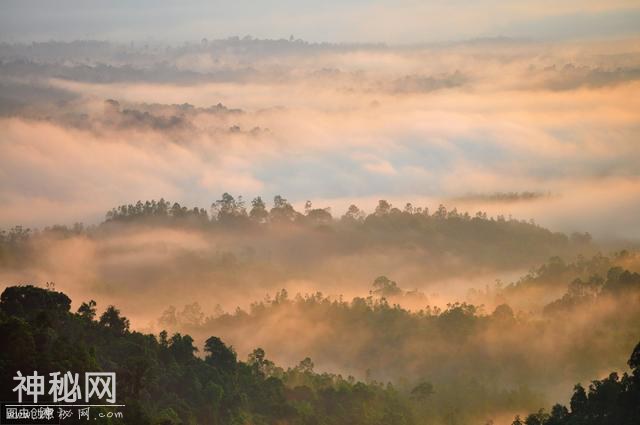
[(550, 107), (385, 21)]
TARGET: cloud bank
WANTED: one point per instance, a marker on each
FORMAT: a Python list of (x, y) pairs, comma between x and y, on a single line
[(331, 123)]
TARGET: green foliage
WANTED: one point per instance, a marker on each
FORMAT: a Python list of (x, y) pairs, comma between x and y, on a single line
[(111, 319), (610, 401), (448, 370), (220, 356), (478, 363), (30, 301), (163, 382)]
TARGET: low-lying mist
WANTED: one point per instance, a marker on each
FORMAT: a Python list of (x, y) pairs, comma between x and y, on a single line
[(407, 296), (511, 275), (149, 255)]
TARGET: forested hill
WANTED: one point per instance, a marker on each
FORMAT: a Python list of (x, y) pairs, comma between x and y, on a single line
[(480, 360), (162, 381), (387, 225), (442, 237)]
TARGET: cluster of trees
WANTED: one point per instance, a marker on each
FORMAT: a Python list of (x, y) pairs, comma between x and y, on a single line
[(161, 380), (610, 401), (477, 363), (618, 282), (557, 270), (431, 244), (230, 209), (443, 230), (159, 210), (452, 365), (13, 244), (545, 287), (16, 247)]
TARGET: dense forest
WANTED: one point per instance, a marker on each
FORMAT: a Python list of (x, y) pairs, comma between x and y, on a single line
[(274, 238), (403, 315), (162, 381), (481, 362), (275, 213), (439, 230), (234, 253)]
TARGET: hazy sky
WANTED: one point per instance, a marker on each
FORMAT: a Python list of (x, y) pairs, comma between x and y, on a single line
[(553, 111), (389, 21), (333, 125)]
